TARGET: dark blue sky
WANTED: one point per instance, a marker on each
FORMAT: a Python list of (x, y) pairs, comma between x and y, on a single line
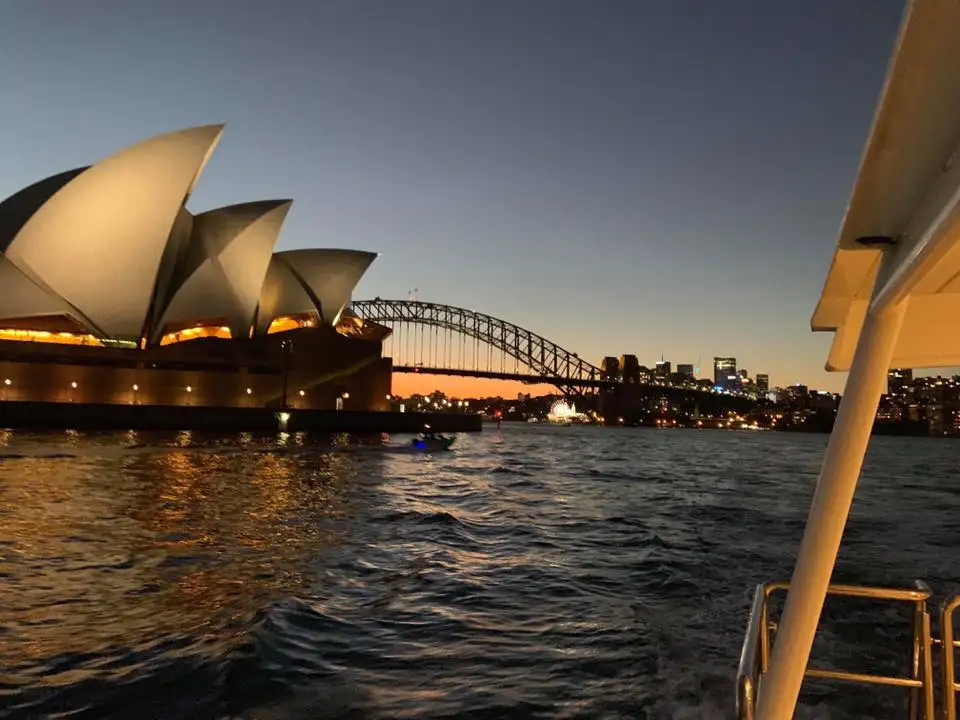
[(634, 176)]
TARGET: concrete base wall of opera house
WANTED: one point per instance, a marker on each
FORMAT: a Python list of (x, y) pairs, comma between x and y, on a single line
[(318, 364), (333, 382)]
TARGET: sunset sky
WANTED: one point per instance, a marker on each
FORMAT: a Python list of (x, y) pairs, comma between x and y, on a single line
[(406, 384), (620, 177)]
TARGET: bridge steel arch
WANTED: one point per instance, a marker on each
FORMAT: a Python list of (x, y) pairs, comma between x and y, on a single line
[(547, 361)]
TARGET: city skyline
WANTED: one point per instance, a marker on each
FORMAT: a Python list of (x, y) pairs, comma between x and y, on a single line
[(619, 178), (406, 384)]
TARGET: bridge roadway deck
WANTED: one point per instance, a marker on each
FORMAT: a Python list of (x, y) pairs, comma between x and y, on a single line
[(541, 379)]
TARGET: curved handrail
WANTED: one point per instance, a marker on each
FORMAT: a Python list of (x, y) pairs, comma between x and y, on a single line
[(947, 659), (748, 673), (875, 592)]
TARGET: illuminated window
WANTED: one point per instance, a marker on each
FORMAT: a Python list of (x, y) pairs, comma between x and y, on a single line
[(352, 326), (292, 322)]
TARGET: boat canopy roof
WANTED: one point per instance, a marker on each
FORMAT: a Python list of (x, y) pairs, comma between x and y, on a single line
[(907, 190)]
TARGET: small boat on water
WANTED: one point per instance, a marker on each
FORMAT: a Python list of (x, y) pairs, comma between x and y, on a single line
[(432, 443), (891, 298)]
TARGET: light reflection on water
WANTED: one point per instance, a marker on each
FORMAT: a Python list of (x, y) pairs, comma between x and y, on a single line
[(535, 571)]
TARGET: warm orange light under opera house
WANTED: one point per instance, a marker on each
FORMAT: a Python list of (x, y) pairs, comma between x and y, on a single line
[(280, 324), (60, 338), (195, 333), (291, 322)]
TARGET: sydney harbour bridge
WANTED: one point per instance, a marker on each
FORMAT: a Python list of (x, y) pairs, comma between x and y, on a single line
[(432, 338)]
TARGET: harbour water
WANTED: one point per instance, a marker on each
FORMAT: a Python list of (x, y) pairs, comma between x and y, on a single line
[(542, 572)]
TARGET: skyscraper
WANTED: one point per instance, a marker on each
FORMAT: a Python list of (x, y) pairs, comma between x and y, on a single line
[(724, 368), (685, 369), (663, 369), (763, 384)]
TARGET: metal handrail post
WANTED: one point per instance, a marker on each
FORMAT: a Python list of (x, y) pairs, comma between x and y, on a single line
[(747, 698), (915, 660), (947, 658), (749, 669), (928, 706), (764, 632), (921, 663)]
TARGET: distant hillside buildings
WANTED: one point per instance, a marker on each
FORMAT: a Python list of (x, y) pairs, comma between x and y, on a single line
[(932, 403)]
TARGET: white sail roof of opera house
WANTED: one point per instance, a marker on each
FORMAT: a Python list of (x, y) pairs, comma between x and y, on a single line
[(307, 281), (222, 270), (113, 248), (907, 193)]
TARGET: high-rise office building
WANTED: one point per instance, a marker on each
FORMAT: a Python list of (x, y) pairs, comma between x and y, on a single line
[(762, 383), (644, 375), (685, 369), (724, 368), (663, 369)]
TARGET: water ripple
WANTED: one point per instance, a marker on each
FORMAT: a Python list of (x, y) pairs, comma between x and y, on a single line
[(534, 572)]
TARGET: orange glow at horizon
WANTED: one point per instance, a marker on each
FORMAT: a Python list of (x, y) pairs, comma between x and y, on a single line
[(406, 384)]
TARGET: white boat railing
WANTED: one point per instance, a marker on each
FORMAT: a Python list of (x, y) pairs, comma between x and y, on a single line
[(761, 633)]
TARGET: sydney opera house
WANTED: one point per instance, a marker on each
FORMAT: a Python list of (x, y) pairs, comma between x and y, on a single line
[(113, 292)]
